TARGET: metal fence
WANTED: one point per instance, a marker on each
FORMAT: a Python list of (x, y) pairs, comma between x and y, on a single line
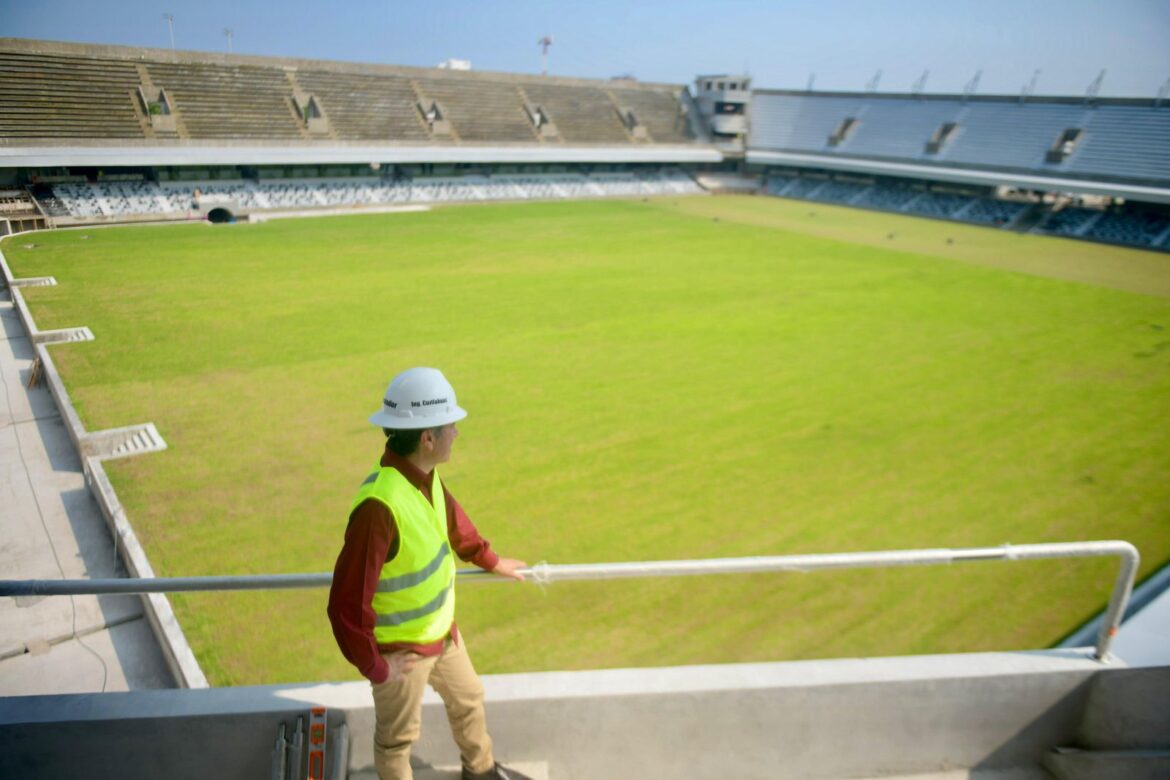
[(549, 573)]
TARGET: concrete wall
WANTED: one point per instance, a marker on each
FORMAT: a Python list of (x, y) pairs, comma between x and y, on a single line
[(816, 719)]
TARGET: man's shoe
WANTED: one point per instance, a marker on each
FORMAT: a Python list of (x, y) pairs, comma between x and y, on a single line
[(497, 772)]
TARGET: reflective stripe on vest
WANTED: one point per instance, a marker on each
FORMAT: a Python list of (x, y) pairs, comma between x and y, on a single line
[(415, 597)]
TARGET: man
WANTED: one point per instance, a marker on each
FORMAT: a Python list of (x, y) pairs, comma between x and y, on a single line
[(392, 604)]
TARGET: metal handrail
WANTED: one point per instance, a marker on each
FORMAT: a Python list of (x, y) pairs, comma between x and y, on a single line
[(547, 573)]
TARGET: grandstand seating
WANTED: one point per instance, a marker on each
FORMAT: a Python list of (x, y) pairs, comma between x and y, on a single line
[(994, 212), (367, 107), (895, 197), (1121, 140), (78, 92), (481, 111), (887, 197), (660, 112), (1070, 221), (1134, 229), (222, 101), (177, 200), (55, 96), (582, 114), (1130, 228)]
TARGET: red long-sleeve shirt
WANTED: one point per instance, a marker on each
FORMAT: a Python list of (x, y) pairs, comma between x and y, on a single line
[(371, 539)]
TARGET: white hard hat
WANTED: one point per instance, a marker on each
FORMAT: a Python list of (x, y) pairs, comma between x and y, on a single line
[(418, 398)]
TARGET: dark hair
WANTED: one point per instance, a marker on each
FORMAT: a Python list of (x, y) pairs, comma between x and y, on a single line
[(403, 442)]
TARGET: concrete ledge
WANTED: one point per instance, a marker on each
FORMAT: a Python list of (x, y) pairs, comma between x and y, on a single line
[(93, 448), (983, 712)]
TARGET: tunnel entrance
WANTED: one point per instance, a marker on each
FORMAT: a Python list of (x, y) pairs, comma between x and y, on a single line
[(220, 216)]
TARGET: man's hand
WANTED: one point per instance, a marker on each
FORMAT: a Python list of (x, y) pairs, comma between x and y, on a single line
[(400, 664), (510, 567)]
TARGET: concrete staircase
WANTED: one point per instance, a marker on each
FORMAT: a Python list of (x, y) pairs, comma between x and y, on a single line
[(1125, 731)]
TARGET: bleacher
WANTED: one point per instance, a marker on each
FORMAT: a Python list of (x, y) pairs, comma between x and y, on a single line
[(480, 110), (364, 107), (582, 114), (1146, 230), (1151, 230), (182, 200), (63, 97), (1011, 134), (994, 212), (1069, 221), (901, 198), (1121, 139), (659, 111), (65, 91), (1116, 148), (228, 101)]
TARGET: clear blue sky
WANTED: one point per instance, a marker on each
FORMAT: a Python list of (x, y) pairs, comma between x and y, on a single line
[(780, 43)]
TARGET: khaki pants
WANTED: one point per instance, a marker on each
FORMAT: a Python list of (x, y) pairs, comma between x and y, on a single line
[(398, 713)]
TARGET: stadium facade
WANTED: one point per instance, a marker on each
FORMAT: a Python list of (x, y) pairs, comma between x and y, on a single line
[(112, 134)]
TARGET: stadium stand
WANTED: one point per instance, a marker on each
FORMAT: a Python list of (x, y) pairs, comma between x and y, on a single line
[(63, 97), (1125, 139), (210, 122), (662, 113), (1122, 138), (480, 111), (1126, 228), (902, 198), (582, 114), (364, 107), (1050, 149), (178, 200), (217, 101), (51, 90)]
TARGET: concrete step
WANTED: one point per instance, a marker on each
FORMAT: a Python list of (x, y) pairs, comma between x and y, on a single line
[(537, 770), (1127, 711), (1072, 764), (1014, 773)]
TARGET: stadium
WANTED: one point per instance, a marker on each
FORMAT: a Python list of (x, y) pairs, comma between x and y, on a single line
[(851, 322)]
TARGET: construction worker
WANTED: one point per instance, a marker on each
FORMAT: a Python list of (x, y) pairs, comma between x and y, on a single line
[(392, 603)]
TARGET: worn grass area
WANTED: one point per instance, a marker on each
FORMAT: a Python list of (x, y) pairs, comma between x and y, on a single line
[(664, 379)]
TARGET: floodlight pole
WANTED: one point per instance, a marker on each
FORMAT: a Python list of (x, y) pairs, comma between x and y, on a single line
[(170, 18), (544, 43), (227, 31)]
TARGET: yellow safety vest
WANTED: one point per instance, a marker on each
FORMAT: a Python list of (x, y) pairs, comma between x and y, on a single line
[(415, 600)]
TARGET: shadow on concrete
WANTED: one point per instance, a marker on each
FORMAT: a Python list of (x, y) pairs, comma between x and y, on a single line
[(1052, 726)]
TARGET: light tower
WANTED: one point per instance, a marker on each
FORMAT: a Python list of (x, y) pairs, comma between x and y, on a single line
[(170, 19), (227, 32), (544, 43)]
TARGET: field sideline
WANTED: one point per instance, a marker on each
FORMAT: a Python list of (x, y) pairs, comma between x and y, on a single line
[(677, 377)]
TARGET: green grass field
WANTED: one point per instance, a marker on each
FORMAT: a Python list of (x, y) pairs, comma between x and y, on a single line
[(671, 378)]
